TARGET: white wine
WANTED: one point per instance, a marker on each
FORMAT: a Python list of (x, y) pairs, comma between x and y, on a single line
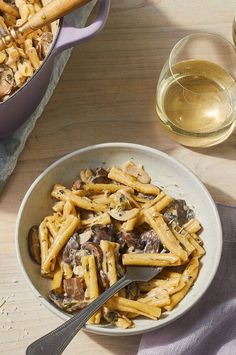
[(196, 102)]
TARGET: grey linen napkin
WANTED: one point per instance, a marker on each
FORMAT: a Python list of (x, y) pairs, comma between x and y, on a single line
[(209, 328), (11, 147)]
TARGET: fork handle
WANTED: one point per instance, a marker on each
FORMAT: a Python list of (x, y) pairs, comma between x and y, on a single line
[(57, 340)]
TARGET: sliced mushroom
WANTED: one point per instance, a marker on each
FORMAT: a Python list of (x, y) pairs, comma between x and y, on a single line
[(100, 177), (7, 81), (33, 243), (110, 316), (70, 249), (84, 214), (79, 254), (129, 197), (127, 240), (179, 212), (103, 232), (86, 175), (103, 280), (137, 171), (113, 317), (78, 270), (143, 198), (66, 303), (44, 44), (132, 291), (78, 185), (57, 298), (125, 215), (95, 250), (150, 241), (119, 201), (120, 269), (75, 288)]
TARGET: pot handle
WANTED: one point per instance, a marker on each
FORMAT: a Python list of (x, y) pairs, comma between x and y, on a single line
[(71, 35)]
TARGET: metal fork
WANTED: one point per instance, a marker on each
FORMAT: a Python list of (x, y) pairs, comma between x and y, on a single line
[(57, 340)]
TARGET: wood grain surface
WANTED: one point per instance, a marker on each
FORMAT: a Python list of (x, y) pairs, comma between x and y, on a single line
[(107, 94)]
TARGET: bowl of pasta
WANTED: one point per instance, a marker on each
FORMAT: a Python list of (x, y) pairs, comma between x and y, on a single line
[(26, 65), (103, 207)]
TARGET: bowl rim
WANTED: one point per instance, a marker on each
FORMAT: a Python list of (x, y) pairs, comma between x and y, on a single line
[(102, 330)]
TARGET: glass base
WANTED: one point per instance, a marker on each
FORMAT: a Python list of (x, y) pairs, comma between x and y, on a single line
[(200, 141)]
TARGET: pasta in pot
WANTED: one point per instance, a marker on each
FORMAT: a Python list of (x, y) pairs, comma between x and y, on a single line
[(22, 58), (109, 220)]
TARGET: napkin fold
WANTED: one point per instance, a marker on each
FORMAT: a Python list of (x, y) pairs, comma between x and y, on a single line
[(209, 328)]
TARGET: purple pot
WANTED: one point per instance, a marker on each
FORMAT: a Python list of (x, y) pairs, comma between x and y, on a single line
[(18, 108)]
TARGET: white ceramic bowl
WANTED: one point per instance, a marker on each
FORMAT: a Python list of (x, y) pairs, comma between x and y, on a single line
[(166, 172)]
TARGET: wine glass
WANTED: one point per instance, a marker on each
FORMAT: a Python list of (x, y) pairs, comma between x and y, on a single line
[(196, 91)]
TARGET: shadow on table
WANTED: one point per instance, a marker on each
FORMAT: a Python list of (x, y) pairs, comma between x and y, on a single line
[(225, 150), (221, 196)]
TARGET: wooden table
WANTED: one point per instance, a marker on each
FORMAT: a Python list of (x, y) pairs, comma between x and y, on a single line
[(107, 94)]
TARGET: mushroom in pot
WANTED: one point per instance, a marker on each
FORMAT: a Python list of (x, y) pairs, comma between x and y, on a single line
[(78, 185), (44, 44), (86, 175), (7, 81), (3, 27), (33, 244), (100, 177)]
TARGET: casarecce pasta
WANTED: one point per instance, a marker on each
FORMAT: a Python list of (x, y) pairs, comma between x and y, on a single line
[(108, 219), (20, 60)]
